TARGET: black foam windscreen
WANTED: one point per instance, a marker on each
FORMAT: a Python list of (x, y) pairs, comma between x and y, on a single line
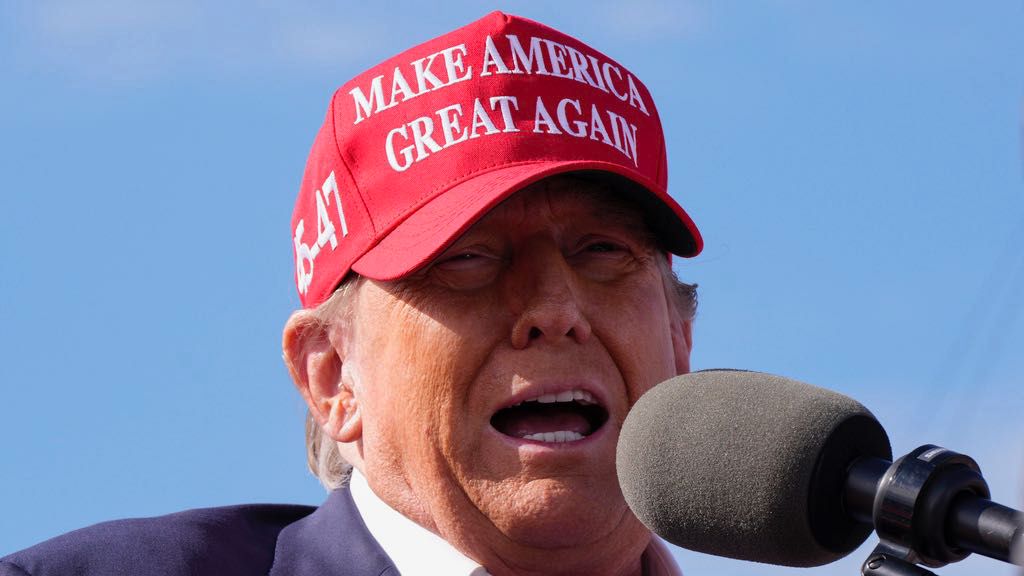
[(747, 465)]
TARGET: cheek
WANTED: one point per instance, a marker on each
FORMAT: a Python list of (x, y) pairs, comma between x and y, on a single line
[(421, 371), (636, 331)]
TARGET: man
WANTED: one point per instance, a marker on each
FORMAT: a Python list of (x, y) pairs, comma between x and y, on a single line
[(482, 242)]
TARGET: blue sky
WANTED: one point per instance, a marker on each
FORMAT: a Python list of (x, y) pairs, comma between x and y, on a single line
[(856, 170)]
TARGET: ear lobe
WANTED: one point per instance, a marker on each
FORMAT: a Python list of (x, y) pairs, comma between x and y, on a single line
[(318, 371)]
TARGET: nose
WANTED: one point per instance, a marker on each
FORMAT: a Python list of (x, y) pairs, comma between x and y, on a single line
[(547, 295)]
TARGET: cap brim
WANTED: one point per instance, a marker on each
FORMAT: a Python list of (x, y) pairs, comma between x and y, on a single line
[(426, 232)]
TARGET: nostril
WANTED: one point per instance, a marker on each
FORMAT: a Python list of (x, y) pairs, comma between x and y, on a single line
[(549, 321)]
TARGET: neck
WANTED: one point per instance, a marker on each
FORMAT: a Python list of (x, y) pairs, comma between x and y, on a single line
[(588, 566), (620, 554)]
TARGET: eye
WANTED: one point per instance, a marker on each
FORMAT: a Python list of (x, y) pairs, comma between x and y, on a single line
[(603, 247), (466, 268), (603, 258), (462, 260)]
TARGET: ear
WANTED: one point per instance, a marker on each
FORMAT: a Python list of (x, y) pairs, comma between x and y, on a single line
[(682, 342), (314, 356)]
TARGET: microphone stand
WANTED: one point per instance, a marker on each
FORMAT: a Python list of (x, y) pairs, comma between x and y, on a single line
[(930, 507), (886, 561)]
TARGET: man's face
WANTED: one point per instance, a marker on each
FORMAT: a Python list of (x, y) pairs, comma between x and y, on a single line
[(492, 383)]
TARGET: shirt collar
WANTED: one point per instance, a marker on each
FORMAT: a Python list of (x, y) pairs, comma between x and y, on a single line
[(414, 550), (417, 551)]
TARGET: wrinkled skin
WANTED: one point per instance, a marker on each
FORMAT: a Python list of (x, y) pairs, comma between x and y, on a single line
[(557, 287)]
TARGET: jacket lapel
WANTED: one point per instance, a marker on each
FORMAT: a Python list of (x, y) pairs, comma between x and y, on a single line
[(333, 541)]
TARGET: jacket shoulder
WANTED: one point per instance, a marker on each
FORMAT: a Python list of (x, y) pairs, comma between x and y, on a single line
[(229, 541)]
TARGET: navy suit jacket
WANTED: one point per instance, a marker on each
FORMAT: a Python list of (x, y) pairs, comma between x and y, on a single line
[(266, 539)]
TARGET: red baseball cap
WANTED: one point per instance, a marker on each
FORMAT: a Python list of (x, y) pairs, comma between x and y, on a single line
[(416, 149)]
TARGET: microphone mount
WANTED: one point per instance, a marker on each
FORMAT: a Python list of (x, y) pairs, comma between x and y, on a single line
[(929, 507)]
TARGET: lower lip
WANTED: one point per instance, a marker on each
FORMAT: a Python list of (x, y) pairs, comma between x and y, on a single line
[(525, 446)]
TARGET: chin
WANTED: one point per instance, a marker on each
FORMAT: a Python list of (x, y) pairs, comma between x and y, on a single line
[(551, 514)]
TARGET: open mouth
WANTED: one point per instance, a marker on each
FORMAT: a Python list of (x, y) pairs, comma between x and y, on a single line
[(564, 417)]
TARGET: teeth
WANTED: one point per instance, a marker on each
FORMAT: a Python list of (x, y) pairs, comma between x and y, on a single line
[(581, 396), (559, 436)]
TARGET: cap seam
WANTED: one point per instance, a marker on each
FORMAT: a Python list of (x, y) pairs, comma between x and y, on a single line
[(351, 177), (662, 161), (327, 288)]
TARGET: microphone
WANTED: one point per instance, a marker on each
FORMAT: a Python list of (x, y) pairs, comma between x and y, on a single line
[(762, 468)]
